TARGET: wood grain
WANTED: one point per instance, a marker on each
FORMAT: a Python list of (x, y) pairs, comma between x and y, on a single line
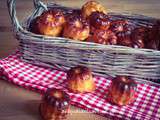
[(20, 104)]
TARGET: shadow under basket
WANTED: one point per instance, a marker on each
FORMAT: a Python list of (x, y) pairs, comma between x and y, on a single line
[(104, 60)]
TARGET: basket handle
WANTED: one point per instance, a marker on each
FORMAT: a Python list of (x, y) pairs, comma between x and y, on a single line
[(38, 3), (12, 12)]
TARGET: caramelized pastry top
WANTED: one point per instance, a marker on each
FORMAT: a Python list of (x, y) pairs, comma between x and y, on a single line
[(57, 97), (99, 20), (92, 6)]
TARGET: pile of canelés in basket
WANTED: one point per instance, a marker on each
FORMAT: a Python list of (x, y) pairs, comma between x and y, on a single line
[(91, 23)]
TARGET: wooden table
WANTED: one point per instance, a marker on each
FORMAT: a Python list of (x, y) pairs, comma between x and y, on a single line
[(19, 104)]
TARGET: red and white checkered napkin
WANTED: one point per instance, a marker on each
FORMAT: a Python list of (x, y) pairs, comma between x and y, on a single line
[(146, 106)]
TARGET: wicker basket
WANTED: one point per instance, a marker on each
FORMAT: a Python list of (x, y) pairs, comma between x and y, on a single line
[(105, 60)]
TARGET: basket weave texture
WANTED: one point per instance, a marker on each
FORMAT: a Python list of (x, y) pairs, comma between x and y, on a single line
[(105, 60)]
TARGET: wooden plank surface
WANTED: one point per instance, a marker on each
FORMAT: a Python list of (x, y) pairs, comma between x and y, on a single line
[(19, 104)]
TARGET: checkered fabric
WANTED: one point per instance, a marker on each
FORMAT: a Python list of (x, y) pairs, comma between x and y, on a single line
[(145, 107)]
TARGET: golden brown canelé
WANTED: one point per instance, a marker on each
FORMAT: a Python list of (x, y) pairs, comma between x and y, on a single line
[(92, 6), (99, 20), (119, 26), (80, 80), (139, 36), (123, 30), (55, 105), (51, 23), (122, 90), (105, 37), (76, 28), (152, 40)]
